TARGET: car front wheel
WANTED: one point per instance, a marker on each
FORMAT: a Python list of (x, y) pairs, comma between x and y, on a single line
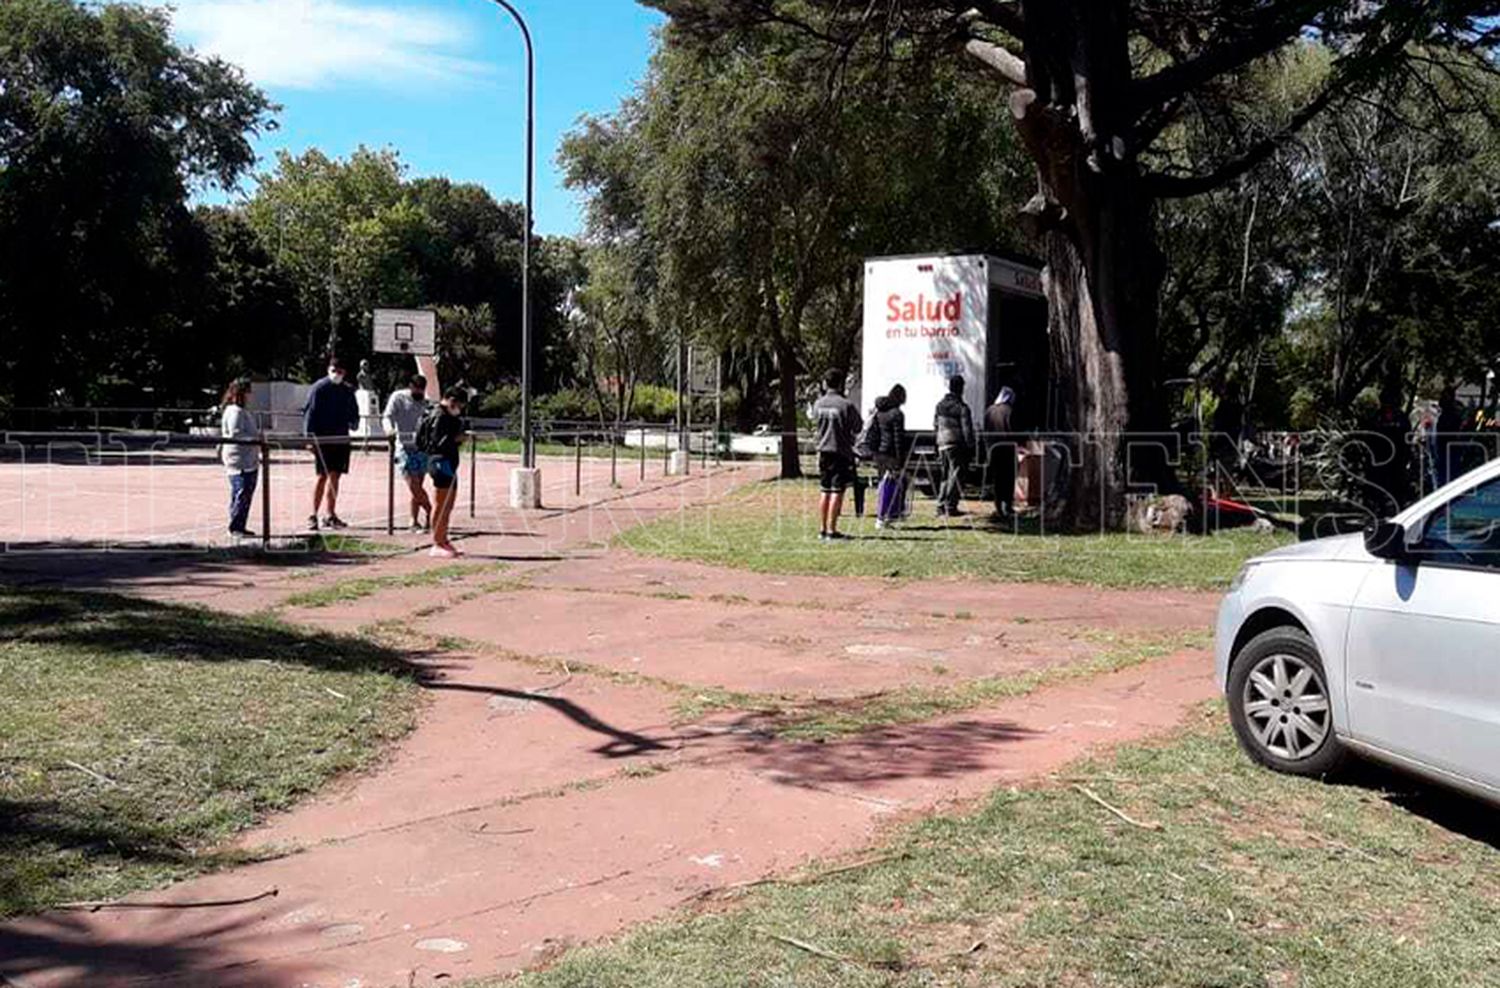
[(1279, 704)]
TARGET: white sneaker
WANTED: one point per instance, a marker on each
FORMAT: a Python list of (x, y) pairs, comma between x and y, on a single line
[(879, 524), (442, 552)]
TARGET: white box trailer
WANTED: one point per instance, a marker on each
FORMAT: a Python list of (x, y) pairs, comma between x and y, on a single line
[(929, 317)]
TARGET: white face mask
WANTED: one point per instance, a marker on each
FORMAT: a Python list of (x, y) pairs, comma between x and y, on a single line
[(336, 375)]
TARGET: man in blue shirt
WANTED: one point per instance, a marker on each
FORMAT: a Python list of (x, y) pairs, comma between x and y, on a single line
[(330, 414)]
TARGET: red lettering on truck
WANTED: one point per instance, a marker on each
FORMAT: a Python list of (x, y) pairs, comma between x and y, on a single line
[(923, 309)]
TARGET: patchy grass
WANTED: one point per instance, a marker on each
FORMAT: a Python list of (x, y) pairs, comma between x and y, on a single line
[(1253, 880), (817, 719), (135, 737), (366, 586), (772, 528), (512, 447)]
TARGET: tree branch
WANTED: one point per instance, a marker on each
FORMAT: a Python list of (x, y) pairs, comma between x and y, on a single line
[(1171, 83), (1180, 187), (1004, 14), (999, 59), (1345, 77)]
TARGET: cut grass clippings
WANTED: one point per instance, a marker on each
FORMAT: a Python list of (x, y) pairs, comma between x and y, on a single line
[(135, 737), (1252, 880), (772, 528)]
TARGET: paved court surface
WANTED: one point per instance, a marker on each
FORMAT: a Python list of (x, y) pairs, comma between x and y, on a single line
[(71, 495), (551, 796)]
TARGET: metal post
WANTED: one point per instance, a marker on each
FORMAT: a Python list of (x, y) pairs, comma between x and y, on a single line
[(718, 407), (578, 465), (390, 487), (265, 494), (614, 453), (473, 470), (666, 450), (643, 453), (528, 449)]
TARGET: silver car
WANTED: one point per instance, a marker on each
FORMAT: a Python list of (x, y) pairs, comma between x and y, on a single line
[(1385, 643)]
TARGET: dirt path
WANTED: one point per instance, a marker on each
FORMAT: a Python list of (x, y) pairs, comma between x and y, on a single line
[(553, 794)]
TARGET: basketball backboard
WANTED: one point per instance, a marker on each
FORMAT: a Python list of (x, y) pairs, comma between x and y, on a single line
[(410, 331)]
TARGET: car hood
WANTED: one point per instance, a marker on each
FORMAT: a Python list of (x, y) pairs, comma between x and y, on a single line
[(1334, 547)]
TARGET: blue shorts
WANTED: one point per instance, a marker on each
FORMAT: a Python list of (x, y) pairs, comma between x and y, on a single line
[(413, 462)]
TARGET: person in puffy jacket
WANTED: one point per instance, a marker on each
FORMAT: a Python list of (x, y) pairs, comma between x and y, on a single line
[(889, 451), (954, 425)]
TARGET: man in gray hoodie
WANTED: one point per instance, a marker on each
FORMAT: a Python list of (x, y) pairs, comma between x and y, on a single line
[(954, 425), (838, 424)]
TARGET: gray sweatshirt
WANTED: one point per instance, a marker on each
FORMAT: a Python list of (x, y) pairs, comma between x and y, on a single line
[(238, 424)]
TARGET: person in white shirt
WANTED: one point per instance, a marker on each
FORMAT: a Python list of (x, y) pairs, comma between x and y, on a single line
[(403, 413), (241, 461)]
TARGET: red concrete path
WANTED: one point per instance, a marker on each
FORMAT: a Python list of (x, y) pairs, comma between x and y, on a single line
[(532, 808)]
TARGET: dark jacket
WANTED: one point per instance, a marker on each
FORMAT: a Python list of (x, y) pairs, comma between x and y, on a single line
[(838, 424), (953, 423), (330, 410), (890, 430)]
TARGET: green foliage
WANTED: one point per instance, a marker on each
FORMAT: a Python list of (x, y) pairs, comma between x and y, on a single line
[(105, 127)]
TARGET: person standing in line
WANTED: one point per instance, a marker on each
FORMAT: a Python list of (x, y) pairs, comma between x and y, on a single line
[(441, 436), (838, 424), (241, 461), (954, 425), (403, 413), (999, 428), (330, 415), (890, 456), (1445, 432)]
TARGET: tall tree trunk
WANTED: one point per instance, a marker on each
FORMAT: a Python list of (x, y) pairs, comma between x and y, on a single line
[(786, 364), (1103, 270), (1101, 281)]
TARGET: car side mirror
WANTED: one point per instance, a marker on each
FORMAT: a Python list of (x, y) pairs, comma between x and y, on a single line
[(1387, 540)]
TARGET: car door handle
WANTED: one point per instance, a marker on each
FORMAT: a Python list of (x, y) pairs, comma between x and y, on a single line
[(1361, 684)]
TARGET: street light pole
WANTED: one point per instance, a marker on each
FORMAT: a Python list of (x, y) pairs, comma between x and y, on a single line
[(528, 449)]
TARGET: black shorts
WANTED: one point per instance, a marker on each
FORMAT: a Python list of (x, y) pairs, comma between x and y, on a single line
[(443, 471), (330, 455), (835, 472)]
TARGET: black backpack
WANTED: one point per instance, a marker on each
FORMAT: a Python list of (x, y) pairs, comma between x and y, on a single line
[(426, 439)]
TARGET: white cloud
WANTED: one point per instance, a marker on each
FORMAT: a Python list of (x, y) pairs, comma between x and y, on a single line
[(313, 44)]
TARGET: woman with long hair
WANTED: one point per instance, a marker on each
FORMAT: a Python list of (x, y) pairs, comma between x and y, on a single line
[(241, 460)]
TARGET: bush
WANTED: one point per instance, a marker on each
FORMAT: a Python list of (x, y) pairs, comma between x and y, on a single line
[(654, 403), (568, 405), (502, 402)]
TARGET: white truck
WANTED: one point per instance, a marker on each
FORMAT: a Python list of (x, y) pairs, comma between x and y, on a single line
[(929, 317)]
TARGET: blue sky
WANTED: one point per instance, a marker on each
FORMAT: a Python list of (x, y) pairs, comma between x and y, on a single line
[(441, 81)]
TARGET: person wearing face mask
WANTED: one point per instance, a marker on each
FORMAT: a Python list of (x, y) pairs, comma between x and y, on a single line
[(330, 415), (403, 413)]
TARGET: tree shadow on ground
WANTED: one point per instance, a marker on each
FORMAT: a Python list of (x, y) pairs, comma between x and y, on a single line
[(109, 623), (92, 566), (165, 952)]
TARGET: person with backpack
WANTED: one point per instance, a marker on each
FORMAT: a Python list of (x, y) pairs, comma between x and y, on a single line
[(889, 450), (839, 426), (954, 425), (440, 438)]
